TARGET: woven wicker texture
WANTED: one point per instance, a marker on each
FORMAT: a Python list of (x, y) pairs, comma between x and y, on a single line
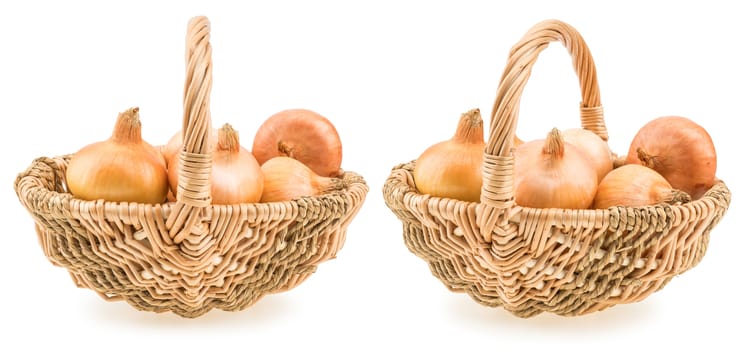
[(527, 260), (187, 257)]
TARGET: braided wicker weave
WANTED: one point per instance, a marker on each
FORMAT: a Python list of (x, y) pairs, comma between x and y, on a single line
[(527, 260), (190, 256)]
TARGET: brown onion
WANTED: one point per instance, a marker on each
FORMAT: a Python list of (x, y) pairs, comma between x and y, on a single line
[(680, 150), (301, 134)]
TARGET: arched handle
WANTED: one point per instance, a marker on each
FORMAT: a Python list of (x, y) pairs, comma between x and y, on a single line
[(195, 158), (498, 165)]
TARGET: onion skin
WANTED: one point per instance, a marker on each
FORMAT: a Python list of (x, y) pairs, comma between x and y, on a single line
[(288, 179), (591, 145), (678, 149), (634, 185), (123, 168), (453, 168), (301, 134), (235, 176), (550, 173)]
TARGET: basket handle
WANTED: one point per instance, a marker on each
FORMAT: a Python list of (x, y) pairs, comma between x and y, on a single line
[(195, 158), (498, 164)]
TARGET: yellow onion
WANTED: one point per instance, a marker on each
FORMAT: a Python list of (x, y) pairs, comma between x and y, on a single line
[(595, 148), (550, 173), (287, 179), (123, 168), (453, 168), (633, 185), (235, 176)]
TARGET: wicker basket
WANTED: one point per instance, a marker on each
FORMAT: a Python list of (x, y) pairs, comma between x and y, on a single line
[(527, 260), (188, 256)]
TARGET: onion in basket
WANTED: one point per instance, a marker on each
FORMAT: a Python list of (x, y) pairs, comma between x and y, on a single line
[(123, 168), (594, 147), (680, 150), (550, 173), (301, 134), (235, 177), (287, 178), (634, 185), (453, 168), (170, 149)]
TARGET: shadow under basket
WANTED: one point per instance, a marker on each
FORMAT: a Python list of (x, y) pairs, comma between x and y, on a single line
[(189, 256), (561, 261)]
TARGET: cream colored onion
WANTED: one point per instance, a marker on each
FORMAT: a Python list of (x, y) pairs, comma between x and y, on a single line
[(595, 148), (550, 173)]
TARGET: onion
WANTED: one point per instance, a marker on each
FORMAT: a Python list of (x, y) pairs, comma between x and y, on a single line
[(633, 185), (595, 148), (235, 176), (123, 168), (680, 150), (174, 145), (303, 135), (453, 168), (551, 173), (287, 179)]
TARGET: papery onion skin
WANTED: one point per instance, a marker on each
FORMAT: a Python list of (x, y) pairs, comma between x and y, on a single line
[(550, 173), (286, 179), (633, 185), (235, 176), (453, 168), (680, 150), (123, 168), (304, 135), (595, 148)]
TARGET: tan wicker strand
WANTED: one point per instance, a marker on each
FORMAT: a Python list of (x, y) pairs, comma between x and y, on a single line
[(187, 257), (530, 260)]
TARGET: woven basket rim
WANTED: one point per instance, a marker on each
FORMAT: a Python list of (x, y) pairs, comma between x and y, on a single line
[(719, 184), (352, 183)]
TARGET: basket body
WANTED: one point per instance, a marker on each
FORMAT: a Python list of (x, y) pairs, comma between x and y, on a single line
[(566, 262), (235, 255), (561, 261), (188, 256)]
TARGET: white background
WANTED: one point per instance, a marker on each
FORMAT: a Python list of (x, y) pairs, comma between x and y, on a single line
[(393, 77)]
